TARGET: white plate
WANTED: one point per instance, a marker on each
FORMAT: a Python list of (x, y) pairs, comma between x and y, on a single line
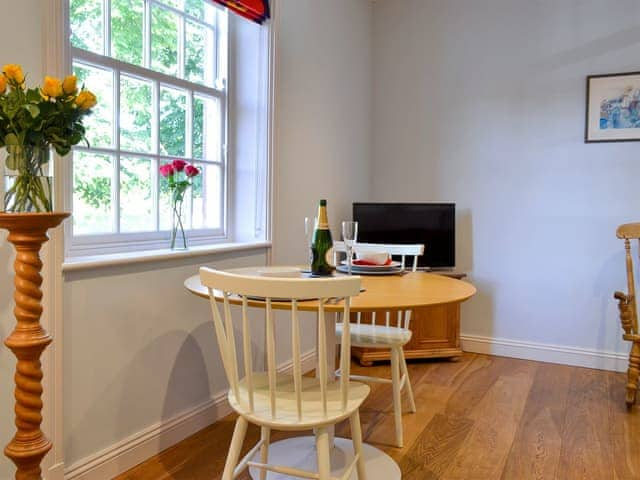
[(392, 271), (372, 268), (280, 272)]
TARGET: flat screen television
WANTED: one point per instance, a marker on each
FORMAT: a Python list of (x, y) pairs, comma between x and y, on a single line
[(432, 224)]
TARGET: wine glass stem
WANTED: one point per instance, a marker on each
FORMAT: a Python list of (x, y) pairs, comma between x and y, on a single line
[(349, 259)]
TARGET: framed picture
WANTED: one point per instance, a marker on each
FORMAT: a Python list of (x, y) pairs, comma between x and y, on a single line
[(613, 108)]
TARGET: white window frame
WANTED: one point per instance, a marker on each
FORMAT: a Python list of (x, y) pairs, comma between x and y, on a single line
[(88, 245)]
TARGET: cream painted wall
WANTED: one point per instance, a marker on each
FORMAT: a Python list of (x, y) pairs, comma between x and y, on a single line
[(482, 103), (322, 127), (138, 348), (323, 115)]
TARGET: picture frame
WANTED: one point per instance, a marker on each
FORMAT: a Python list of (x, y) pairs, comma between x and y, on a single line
[(613, 108)]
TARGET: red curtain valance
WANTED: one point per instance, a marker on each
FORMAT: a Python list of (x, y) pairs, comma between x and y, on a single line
[(255, 10)]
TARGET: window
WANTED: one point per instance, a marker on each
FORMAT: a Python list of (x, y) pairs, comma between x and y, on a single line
[(159, 69)]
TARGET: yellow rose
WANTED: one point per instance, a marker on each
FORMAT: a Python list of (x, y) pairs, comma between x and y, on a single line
[(52, 87), (86, 100), (3, 85), (13, 72), (69, 85)]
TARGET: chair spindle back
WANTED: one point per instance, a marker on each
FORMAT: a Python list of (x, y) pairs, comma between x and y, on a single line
[(227, 288), (403, 251)]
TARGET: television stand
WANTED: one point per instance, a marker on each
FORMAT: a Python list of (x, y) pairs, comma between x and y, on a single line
[(435, 332)]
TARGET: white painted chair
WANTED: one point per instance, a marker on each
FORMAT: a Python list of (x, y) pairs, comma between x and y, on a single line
[(386, 335), (281, 401)]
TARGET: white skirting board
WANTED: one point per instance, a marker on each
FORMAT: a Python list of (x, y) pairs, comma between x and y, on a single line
[(137, 448), (575, 356)]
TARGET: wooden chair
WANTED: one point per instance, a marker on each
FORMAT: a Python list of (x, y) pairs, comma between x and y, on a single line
[(387, 335), (629, 312), (278, 401)]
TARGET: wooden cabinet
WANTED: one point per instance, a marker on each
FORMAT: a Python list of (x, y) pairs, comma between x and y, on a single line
[(436, 334)]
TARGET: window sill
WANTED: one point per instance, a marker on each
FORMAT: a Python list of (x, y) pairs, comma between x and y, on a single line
[(98, 261)]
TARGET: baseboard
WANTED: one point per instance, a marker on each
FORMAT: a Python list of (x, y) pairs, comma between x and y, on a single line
[(137, 448), (575, 356), (55, 472)]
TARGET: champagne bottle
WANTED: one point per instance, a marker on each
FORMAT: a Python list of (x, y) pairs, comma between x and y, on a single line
[(322, 244)]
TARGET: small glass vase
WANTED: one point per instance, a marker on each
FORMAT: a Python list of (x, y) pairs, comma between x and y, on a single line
[(27, 179), (178, 237)]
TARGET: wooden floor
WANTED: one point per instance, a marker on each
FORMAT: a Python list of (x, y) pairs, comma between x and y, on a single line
[(478, 418)]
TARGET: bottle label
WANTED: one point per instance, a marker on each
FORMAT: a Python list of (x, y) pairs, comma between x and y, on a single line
[(329, 257)]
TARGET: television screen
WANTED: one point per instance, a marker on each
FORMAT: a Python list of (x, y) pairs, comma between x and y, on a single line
[(432, 224)]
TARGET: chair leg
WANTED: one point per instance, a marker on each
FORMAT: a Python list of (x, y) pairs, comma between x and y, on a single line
[(356, 436), (322, 451), (265, 436), (632, 374), (233, 456), (397, 399), (405, 372)]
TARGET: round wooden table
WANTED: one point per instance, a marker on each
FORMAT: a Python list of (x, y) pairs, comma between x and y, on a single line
[(382, 292), (385, 292)]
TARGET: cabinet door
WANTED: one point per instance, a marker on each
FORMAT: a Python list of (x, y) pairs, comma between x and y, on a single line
[(435, 327)]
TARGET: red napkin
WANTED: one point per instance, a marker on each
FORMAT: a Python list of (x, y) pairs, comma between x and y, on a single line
[(370, 263)]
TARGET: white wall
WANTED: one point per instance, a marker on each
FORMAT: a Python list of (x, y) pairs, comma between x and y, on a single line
[(323, 115), (482, 103), (138, 348), (322, 128)]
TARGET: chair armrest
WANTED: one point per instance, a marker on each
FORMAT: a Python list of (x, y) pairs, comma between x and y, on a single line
[(627, 312)]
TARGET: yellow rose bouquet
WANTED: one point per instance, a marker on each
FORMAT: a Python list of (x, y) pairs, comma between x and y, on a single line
[(32, 121)]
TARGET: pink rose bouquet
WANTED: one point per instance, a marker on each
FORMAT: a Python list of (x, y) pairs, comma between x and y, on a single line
[(179, 175)]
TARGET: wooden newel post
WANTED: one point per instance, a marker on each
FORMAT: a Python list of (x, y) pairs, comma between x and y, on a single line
[(27, 232)]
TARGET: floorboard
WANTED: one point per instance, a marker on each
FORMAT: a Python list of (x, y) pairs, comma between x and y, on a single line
[(478, 418), (535, 453)]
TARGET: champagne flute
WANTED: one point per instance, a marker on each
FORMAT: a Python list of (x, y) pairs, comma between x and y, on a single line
[(309, 227), (349, 236)]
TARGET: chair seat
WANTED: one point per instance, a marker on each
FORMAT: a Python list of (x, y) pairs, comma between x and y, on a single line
[(375, 336), (287, 414)]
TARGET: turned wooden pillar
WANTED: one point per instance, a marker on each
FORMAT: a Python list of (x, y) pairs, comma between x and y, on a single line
[(27, 233)]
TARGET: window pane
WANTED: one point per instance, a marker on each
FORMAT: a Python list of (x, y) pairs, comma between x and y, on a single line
[(135, 115), (179, 4), (207, 128), (164, 40), (165, 205), (127, 28), (200, 9), (136, 195), (92, 175), (173, 119), (199, 54), (99, 124), (213, 189), (197, 200), (86, 19)]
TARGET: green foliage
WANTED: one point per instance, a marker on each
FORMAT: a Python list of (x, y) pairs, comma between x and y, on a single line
[(95, 191), (127, 30), (86, 24)]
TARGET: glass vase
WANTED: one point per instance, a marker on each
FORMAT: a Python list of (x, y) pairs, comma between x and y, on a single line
[(178, 237), (27, 179)]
